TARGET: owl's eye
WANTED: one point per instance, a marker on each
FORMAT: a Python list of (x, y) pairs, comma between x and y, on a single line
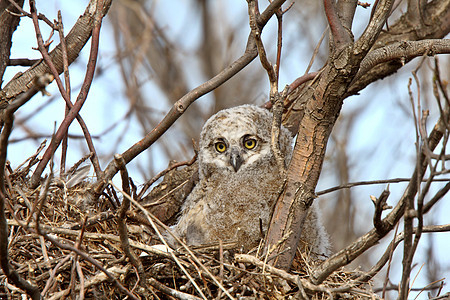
[(220, 147), (250, 143)]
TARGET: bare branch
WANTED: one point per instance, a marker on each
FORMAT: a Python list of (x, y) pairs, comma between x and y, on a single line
[(369, 182), (164, 172), (380, 205), (121, 219), (171, 292), (370, 34), (404, 31), (64, 146), (394, 243), (338, 32), (90, 70), (402, 51), (346, 11)]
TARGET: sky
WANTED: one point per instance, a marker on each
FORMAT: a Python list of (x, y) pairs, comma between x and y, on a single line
[(380, 144)]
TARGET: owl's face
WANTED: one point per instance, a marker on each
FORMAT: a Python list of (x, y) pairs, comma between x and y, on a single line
[(235, 140)]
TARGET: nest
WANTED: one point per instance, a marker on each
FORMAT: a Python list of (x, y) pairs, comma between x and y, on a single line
[(65, 243)]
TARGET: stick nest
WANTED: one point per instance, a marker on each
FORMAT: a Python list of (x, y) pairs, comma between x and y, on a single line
[(69, 214)]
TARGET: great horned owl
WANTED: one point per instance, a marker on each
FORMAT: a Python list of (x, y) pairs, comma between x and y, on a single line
[(240, 181)]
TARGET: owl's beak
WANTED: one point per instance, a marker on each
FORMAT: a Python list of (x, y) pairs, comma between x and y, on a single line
[(235, 159)]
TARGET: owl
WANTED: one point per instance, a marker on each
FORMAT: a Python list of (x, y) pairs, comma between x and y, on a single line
[(239, 180)]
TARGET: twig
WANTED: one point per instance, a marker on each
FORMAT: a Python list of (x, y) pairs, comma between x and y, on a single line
[(441, 193), (40, 16), (81, 276), (121, 219), (253, 13), (164, 172), (88, 258), (276, 98), (152, 219), (75, 109), (97, 279), (391, 255), (76, 39), (380, 205), (92, 236), (51, 278), (393, 244), (295, 279), (171, 292), (64, 145), (409, 212), (22, 62), (369, 182), (369, 239)]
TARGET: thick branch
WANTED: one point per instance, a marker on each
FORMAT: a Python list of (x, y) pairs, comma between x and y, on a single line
[(338, 32), (8, 24), (370, 34), (403, 52), (402, 30)]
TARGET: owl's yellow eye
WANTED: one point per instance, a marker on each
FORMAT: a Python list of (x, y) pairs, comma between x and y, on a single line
[(250, 143), (220, 147)]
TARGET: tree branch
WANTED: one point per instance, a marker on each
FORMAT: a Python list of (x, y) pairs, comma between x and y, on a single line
[(403, 52), (84, 90), (338, 32), (75, 41)]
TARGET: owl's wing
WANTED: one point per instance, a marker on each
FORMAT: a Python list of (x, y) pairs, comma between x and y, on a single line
[(194, 197), (190, 224)]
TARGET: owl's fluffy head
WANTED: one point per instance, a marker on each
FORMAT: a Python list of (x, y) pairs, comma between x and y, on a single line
[(237, 139)]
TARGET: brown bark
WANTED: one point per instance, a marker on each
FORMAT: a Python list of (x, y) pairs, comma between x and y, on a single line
[(8, 24)]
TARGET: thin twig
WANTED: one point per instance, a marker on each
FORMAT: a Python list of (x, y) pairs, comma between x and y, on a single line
[(40, 16), (75, 109), (62, 39), (164, 172), (245, 258), (380, 205), (370, 182), (398, 238), (121, 219), (171, 292)]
